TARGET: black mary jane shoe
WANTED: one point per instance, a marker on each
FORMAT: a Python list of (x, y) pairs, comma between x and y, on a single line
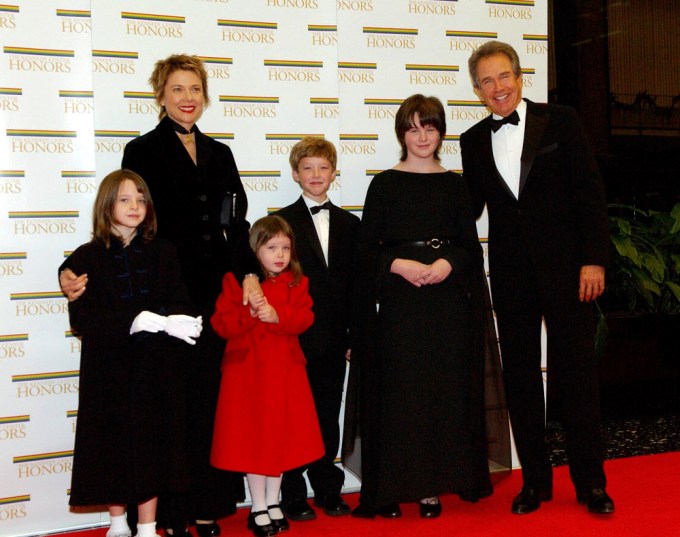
[(280, 524), (211, 529), (264, 530), (430, 510)]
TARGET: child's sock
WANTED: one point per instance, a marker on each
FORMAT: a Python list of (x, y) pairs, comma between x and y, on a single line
[(119, 527), (146, 530)]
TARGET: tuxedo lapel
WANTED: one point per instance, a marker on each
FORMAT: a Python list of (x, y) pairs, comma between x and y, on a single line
[(334, 231), (486, 150), (307, 228), (533, 134)]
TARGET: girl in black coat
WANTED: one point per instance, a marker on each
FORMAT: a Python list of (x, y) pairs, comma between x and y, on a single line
[(128, 414)]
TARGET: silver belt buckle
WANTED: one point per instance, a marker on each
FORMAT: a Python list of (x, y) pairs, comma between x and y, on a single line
[(434, 243)]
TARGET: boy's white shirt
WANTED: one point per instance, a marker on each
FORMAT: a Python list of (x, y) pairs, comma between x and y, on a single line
[(321, 223)]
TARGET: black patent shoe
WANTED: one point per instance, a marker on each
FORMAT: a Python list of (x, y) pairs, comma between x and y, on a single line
[(333, 505), (172, 532), (391, 510), (264, 530), (529, 499), (597, 501), (430, 510), (211, 529), (298, 510), (280, 524), (363, 511)]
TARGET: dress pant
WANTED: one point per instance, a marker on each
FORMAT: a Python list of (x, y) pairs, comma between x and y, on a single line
[(572, 367), (326, 378)]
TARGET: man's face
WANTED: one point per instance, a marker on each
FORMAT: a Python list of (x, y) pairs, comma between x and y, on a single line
[(499, 88)]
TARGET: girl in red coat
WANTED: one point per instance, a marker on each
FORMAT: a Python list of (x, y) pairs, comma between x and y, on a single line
[(266, 421)]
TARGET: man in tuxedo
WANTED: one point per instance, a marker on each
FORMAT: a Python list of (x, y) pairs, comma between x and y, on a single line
[(324, 241), (548, 245)]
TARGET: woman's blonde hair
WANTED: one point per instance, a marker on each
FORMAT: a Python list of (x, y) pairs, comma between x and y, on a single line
[(177, 62)]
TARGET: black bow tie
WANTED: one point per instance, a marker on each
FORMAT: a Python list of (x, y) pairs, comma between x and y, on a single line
[(498, 123), (326, 205)]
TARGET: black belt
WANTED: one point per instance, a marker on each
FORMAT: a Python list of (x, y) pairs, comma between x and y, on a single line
[(431, 243)]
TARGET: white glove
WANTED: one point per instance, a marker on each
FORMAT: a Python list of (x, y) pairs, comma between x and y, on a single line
[(184, 327), (148, 322)]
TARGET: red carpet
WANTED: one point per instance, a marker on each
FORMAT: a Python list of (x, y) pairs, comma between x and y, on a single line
[(646, 491)]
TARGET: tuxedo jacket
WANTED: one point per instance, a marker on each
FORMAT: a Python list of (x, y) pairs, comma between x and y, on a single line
[(330, 285), (559, 221)]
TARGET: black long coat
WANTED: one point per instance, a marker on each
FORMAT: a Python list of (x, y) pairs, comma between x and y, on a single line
[(189, 200), (129, 442)]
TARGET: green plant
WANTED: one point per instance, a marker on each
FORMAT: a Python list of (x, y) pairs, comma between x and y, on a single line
[(644, 276)]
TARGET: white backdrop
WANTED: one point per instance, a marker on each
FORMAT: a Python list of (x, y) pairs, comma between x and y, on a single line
[(74, 91)]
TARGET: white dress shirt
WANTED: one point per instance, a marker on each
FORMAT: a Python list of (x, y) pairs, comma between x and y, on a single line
[(507, 144), (322, 222)]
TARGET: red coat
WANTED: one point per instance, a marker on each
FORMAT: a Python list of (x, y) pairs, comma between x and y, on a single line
[(266, 422)]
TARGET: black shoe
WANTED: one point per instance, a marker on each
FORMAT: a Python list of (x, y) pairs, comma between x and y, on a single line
[(596, 500), (298, 510), (430, 510), (265, 530), (391, 510), (333, 505), (529, 499), (211, 529), (280, 524), (175, 532), (363, 511)]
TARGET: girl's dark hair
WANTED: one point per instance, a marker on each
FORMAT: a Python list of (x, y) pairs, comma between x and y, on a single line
[(105, 202), (430, 113), (267, 228)]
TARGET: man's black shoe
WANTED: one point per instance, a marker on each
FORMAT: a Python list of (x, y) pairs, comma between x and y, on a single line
[(391, 510), (596, 500), (298, 510), (529, 499), (333, 505)]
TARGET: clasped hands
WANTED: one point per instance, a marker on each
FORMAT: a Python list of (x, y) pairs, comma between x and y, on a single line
[(183, 327), (419, 274), (260, 308)]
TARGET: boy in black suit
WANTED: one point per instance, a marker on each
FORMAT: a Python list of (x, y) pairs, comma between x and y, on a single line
[(324, 240)]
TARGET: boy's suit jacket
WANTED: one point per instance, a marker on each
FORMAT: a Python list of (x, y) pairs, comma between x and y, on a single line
[(330, 285)]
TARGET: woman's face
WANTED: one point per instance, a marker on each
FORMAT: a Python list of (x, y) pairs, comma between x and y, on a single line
[(183, 98)]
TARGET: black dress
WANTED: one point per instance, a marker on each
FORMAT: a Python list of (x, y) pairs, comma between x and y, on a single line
[(189, 199), (419, 362), (129, 415)]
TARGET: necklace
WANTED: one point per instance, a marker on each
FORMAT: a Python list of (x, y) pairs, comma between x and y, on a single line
[(181, 130)]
